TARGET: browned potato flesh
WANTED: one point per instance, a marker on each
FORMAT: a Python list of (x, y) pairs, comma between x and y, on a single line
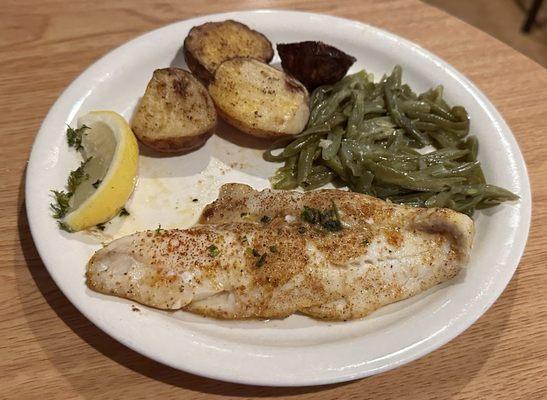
[(259, 99), (314, 63), (176, 113), (212, 43)]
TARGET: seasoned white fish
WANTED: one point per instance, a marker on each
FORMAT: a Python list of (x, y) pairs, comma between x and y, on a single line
[(330, 254)]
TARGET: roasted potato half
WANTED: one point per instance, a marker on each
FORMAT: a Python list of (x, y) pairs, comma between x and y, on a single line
[(176, 113), (314, 63), (212, 43), (259, 99)]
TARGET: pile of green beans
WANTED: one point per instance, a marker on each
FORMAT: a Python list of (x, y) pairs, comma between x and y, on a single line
[(384, 140)]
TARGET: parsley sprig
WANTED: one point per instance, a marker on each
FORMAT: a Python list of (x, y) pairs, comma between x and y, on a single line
[(213, 250), (61, 203), (74, 136), (328, 219), (77, 176)]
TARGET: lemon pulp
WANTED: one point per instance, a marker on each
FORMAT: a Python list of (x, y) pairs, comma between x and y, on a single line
[(111, 170)]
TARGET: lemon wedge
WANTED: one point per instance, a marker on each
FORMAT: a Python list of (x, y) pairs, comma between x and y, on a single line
[(112, 153)]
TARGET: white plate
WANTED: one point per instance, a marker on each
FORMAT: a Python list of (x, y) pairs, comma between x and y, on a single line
[(296, 350)]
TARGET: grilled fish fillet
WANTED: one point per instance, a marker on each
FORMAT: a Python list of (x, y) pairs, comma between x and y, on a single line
[(254, 256)]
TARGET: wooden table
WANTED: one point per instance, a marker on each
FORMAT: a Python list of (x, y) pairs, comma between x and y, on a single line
[(49, 350)]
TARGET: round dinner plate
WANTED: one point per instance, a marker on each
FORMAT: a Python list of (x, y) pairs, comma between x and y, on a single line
[(171, 191)]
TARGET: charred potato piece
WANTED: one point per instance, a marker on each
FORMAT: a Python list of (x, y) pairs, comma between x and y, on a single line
[(314, 63), (259, 99), (176, 113), (212, 43)]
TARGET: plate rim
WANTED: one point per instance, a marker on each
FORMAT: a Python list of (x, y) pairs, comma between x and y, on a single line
[(431, 343)]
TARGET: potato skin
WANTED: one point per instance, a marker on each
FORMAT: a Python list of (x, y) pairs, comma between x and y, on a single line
[(210, 44), (176, 113), (177, 145), (314, 63), (197, 69), (259, 99)]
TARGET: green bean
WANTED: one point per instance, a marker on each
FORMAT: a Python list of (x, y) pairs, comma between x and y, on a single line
[(371, 137), (460, 114), (357, 113), (436, 96), (387, 191), (336, 165), (362, 184), (334, 139), (461, 170), (305, 161), (406, 180), (489, 191), (414, 106), (472, 144), (444, 155), (440, 111), (291, 150), (440, 199), (347, 159), (407, 93), (286, 183), (327, 108), (444, 138), (460, 126), (425, 126), (318, 96), (417, 199), (373, 108), (396, 77), (401, 120), (347, 110), (319, 176), (285, 177), (269, 156)]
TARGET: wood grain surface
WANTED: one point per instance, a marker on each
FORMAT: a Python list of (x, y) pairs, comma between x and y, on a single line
[(50, 351)]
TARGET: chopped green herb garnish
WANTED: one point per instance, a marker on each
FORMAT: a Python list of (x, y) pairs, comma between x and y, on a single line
[(365, 242), (97, 183), (61, 205), (64, 227), (265, 219), (123, 212), (261, 257), (77, 176), (101, 227), (244, 240), (261, 260), (311, 215), (213, 250), (273, 249), (328, 219), (62, 198), (74, 136), (332, 225), (301, 230), (158, 229)]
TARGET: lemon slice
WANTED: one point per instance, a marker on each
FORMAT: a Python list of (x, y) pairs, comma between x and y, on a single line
[(111, 170)]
